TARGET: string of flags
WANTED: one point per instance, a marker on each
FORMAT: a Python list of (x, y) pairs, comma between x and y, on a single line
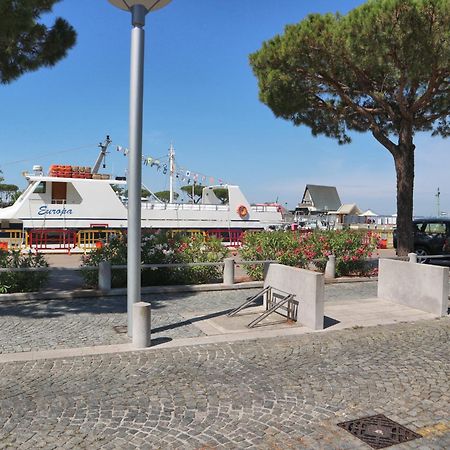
[(183, 174)]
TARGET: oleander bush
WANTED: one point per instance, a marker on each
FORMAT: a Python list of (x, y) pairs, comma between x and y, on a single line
[(26, 281), (310, 250), (161, 248)]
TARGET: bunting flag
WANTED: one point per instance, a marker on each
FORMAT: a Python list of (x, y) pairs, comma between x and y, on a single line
[(183, 174)]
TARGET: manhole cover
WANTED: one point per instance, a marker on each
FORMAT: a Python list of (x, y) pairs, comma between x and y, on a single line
[(379, 431), (120, 329)]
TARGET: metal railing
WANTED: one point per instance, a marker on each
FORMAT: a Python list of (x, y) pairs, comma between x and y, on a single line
[(105, 269), (13, 239), (94, 238), (184, 207), (427, 257)]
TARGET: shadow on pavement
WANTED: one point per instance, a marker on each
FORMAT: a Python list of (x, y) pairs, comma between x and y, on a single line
[(329, 322), (61, 307)]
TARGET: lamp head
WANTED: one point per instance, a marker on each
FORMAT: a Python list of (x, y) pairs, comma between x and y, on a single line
[(149, 5)]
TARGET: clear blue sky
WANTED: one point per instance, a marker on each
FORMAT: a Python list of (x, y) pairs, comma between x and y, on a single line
[(201, 95)]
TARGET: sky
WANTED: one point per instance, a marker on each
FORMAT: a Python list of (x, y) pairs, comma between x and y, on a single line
[(201, 95)]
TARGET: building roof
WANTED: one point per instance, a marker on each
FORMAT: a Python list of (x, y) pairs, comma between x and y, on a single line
[(369, 213), (349, 209), (322, 198)]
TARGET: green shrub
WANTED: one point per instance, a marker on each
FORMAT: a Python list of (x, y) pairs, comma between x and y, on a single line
[(199, 248), (115, 252), (161, 248), (26, 281), (300, 249)]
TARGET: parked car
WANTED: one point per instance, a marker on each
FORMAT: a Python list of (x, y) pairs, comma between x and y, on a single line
[(431, 237)]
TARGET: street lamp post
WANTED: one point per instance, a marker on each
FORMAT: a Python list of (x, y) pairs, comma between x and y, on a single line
[(138, 9)]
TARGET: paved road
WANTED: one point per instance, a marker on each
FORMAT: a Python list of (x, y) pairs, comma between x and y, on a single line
[(285, 393), (64, 323)]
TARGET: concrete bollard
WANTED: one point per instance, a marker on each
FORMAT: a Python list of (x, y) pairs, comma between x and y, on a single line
[(228, 271), (412, 257), (330, 268), (141, 324), (104, 276)]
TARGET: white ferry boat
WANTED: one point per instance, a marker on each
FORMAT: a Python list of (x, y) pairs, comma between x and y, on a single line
[(58, 202), (76, 199)]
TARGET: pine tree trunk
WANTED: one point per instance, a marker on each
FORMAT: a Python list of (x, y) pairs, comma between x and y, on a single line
[(404, 167)]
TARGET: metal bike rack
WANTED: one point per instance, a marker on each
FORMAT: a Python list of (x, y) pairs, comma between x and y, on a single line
[(277, 301), (249, 301)]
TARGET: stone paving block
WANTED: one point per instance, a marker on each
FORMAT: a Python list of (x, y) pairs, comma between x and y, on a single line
[(278, 393)]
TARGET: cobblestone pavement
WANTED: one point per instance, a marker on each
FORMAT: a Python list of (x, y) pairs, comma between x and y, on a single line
[(285, 393), (65, 323)]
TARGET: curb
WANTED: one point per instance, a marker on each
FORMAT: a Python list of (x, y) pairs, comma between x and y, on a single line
[(350, 280), (87, 293)]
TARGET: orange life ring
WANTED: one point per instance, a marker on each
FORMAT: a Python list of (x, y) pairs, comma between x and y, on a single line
[(242, 211)]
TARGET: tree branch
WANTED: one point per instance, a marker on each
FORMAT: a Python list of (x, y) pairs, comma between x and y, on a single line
[(399, 95), (371, 91), (437, 78), (373, 126)]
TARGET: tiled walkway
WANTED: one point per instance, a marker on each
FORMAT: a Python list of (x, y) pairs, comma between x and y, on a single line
[(287, 392), (284, 393)]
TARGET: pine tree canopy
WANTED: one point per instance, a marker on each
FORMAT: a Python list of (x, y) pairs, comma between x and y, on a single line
[(198, 191), (384, 68), (384, 61), (164, 196), (25, 44)]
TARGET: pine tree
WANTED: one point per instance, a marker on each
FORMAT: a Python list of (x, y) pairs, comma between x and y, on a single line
[(383, 68), (25, 44)]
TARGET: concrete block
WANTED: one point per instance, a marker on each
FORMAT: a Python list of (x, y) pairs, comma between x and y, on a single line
[(141, 324), (418, 286), (412, 257), (330, 268), (228, 271), (308, 288), (104, 276)]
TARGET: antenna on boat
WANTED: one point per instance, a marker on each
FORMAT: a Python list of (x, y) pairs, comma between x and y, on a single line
[(171, 171), (103, 146)]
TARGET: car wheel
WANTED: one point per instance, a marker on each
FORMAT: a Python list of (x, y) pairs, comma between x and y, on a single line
[(421, 253)]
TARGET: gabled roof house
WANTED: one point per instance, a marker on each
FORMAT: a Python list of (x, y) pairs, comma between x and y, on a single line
[(319, 199)]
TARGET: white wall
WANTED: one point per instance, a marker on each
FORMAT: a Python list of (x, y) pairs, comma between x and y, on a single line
[(308, 288), (415, 285)]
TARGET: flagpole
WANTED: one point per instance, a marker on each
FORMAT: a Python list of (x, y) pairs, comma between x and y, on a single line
[(172, 170)]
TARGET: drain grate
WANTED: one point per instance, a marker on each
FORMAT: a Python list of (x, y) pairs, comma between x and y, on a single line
[(120, 329), (379, 431)]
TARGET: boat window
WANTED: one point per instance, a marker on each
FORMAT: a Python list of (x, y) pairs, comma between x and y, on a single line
[(59, 192), (41, 188)]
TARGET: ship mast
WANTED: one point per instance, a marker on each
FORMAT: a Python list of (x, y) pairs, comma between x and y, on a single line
[(172, 171), (103, 146)]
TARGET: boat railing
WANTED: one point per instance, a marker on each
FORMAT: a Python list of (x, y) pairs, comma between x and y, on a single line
[(183, 207), (265, 208)]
